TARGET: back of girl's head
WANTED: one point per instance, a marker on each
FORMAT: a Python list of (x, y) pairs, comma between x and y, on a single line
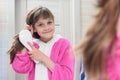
[(101, 34), (39, 12), (15, 47), (108, 16), (101, 3)]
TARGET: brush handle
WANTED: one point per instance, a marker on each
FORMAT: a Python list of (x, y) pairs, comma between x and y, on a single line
[(25, 36)]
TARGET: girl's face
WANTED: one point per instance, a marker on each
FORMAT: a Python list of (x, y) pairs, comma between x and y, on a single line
[(45, 29)]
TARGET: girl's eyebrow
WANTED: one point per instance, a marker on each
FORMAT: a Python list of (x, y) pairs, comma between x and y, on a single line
[(39, 22), (50, 19)]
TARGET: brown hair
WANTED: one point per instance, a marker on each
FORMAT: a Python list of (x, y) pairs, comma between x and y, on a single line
[(34, 15), (98, 38), (15, 47)]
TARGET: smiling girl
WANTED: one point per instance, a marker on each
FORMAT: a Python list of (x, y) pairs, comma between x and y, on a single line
[(52, 51)]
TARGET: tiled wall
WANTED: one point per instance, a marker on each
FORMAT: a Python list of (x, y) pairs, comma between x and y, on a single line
[(87, 12), (3, 39)]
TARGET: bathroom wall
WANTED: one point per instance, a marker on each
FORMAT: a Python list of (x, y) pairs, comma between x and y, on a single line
[(72, 17)]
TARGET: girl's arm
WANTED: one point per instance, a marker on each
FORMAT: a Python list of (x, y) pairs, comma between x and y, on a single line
[(64, 67), (22, 62), (37, 55)]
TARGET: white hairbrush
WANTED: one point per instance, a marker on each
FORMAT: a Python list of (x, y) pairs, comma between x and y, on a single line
[(25, 36)]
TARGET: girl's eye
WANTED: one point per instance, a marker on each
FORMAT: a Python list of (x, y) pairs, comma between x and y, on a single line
[(40, 24), (50, 22)]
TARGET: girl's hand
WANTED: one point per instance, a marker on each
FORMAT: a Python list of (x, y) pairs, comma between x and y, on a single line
[(35, 54), (30, 28)]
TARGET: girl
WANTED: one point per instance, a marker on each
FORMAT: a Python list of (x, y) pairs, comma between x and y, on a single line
[(101, 44), (53, 52)]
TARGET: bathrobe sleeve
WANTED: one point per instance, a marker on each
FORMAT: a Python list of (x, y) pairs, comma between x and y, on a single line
[(22, 62), (64, 61)]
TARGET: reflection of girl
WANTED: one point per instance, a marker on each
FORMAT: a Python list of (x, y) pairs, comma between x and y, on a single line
[(101, 44), (56, 60)]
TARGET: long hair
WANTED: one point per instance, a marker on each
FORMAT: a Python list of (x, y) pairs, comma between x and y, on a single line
[(36, 13), (99, 37), (15, 47)]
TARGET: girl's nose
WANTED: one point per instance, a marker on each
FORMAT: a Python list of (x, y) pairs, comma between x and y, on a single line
[(46, 27)]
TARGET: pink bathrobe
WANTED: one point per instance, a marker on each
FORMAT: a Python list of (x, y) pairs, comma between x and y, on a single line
[(61, 55), (113, 62)]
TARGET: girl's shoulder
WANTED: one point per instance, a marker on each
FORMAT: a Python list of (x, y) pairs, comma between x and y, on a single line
[(63, 42), (61, 39)]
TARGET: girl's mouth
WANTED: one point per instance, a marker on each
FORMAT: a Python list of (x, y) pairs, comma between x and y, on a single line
[(47, 31)]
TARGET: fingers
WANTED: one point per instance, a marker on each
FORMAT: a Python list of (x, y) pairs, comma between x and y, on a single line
[(27, 27), (32, 57), (31, 45), (30, 28)]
